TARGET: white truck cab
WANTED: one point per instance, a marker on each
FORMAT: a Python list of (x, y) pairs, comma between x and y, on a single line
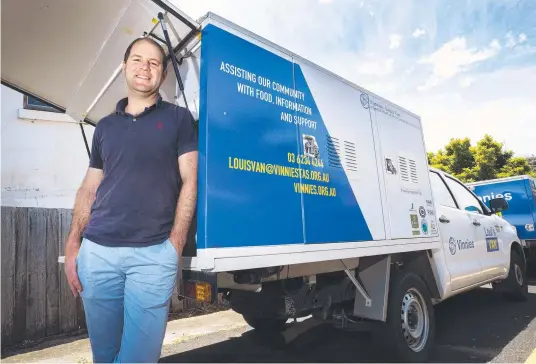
[(478, 247)]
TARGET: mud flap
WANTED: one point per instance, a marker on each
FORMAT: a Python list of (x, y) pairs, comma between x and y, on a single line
[(373, 275)]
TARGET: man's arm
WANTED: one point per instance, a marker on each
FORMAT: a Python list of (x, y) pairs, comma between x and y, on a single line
[(82, 208), (85, 197), (187, 200)]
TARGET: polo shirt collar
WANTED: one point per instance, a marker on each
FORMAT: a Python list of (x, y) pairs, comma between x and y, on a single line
[(122, 104)]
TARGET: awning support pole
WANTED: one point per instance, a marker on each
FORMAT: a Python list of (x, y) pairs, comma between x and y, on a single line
[(85, 139), (175, 65)]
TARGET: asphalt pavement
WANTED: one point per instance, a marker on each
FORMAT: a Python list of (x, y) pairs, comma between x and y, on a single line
[(478, 326)]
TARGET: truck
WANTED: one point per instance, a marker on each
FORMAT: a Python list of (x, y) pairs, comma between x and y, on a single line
[(520, 193), (315, 197)]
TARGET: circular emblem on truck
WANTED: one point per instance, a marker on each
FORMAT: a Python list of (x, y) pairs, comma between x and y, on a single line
[(422, 211), (365, 100), (452, 246)]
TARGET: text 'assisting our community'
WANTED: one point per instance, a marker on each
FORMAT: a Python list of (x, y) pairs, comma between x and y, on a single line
[(264, 93)]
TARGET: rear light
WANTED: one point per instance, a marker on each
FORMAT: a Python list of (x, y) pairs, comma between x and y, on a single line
[(201, 291)]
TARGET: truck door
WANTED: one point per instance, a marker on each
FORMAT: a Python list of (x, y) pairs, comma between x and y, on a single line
[(488, 248), (458, 233)]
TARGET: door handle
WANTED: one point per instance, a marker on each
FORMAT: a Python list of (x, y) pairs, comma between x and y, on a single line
[(444, 219), (476, 223)]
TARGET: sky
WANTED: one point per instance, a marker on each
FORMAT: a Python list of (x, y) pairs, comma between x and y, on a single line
[(465, 67)]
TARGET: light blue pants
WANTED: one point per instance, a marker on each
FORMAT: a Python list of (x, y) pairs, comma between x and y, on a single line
[(126, 293)]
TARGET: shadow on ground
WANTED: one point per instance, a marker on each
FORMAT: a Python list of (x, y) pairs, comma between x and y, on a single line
[(471, 327), (67, 338)]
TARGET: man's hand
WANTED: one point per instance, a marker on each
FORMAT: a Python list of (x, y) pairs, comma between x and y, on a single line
[(187, 200), (178, 246), (71, 252), (81, 212)]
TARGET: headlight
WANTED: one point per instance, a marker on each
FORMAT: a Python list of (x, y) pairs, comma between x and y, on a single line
[(513, 228)]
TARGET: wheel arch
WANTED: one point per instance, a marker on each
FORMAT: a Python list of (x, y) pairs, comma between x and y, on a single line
[(419, 263)]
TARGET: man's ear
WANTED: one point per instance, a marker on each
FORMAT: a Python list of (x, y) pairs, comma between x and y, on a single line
[(124, 67)]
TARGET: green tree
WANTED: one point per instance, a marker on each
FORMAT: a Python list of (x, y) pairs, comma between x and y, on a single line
[(460, 154), (515, 167), (532, 162), (488, 159)]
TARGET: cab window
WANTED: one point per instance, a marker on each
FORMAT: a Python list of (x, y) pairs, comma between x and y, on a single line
[(465, 199), (441, 194)]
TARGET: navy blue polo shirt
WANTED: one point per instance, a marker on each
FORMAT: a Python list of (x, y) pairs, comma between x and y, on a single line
[(136, 201)]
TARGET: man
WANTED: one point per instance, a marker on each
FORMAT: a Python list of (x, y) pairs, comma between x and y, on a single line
[(132, 214)]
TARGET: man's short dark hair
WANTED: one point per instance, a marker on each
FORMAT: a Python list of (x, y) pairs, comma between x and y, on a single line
[(153, 42)]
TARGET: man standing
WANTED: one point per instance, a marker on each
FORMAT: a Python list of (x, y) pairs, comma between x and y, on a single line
[(133, 212)]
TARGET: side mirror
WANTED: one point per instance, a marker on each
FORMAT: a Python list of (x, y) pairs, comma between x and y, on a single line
[(498, 205)]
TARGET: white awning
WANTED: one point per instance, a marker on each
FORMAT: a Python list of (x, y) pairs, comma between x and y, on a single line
[(65, 52)]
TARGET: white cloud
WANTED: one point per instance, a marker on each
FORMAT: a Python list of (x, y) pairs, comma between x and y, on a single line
[(454, 57), (419, 33), (513, 41), (395, 40), (499, 103)]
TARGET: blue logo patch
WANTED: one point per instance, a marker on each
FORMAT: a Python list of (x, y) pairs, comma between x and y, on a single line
[(492, 244)]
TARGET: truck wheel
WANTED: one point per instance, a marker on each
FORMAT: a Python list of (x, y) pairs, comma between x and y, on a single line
[(517, 288), (266, 325), (410, 324)]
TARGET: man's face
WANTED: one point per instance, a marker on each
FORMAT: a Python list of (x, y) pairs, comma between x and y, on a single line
[(143, 68)]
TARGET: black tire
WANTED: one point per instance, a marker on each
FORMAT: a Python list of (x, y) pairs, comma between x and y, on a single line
[(410, 326), (266, 325), (515, 286)]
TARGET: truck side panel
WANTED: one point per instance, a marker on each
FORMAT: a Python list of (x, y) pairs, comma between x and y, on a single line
[(289, 155), (411, 210), (269, 179), (343, 133), (244, 148)]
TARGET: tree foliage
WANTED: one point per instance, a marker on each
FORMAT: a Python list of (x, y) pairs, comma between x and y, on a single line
[(487, 159)]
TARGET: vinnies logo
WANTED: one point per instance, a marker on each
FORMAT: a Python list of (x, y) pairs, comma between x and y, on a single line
[(485, 198), (459, 244)]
